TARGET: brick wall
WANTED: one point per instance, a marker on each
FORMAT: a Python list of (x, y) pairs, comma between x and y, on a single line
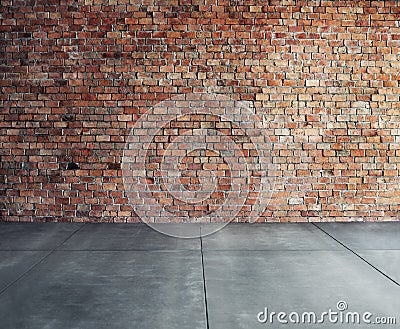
[(75, 76)]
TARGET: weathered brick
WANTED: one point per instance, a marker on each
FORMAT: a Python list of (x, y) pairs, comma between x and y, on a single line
[(323, 76)]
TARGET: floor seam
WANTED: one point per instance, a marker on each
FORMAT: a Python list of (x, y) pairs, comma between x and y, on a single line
[(126, 250), (26, 272), (204, 281), (39, 261), (274, 250), (359, 256), (69, 237)]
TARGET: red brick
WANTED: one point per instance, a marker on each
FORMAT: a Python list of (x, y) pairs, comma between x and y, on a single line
[(71, 97)]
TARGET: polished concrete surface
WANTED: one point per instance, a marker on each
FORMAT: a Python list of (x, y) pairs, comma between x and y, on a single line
[(58, 275)]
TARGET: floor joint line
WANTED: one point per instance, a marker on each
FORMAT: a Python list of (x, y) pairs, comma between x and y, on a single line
[(356, 254), (204, 280), (38, 262)]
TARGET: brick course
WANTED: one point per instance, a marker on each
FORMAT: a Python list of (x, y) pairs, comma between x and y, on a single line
[(76, 75)]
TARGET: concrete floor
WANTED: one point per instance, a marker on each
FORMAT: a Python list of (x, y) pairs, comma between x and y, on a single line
[(56, 275)]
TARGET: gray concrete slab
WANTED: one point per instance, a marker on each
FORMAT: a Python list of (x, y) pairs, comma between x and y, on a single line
[(271, 236), (13, 264), (35, 236), (119, 290), (387, 261), (131, 276), (361, 236), (127, 237), (240, 284)]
